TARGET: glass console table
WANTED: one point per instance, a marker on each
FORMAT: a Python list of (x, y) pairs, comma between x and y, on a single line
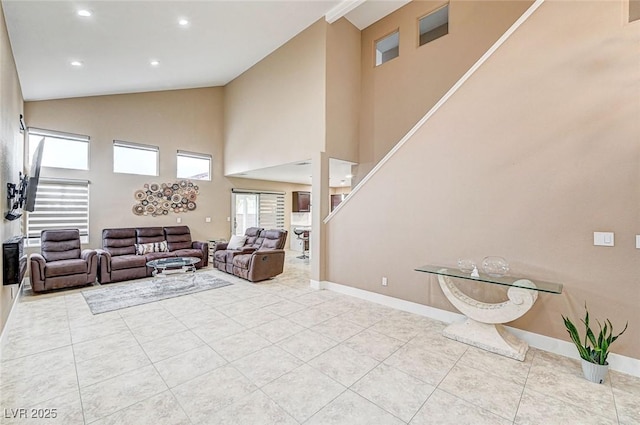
[(483, 326)]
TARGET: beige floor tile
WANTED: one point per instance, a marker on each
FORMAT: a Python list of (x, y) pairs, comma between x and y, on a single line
[(303, 392), (278, 330), (37, 387), (98, 347), (207, 317), (208, 394), (26, 345), (23, 368), (284, 308), (343, 364), (80, 318), (398, 393), (161, 409), (256, 318), (352, 409), (484, 390), (543, 409), (562, 378), (218, 330), (106, 397), (315, 298), (163, 348), (155, 330), (398, 328), (185, 305), (216, 297), (239, 345), (443, 408), (501, 366), (239, 307), (144, 318), (364, 317), (337, 329), (266, 365), (98, 330), (264, 300), (110, 365), (188, 365), (256, 408), (627, 406), (306, 345), (374, 344), (310, 316), (137, 309), (623, 382), (423, 362)]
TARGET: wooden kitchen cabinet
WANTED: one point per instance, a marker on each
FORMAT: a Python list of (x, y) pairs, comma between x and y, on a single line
[(301, 202)]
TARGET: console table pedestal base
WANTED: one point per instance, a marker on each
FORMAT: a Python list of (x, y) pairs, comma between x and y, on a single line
[(488, 336)]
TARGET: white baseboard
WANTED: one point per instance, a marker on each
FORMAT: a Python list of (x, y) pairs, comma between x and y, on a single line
[(5, 329), (617, 362)]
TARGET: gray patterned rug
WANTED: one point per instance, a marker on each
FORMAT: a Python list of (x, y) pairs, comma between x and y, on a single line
[(110, 298)]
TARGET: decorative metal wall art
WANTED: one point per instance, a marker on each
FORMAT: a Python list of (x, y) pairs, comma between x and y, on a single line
[(161, 199)]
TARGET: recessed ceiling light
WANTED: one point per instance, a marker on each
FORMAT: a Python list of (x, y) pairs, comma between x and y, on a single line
[(76, 63), (84, 13), (154, 63), (183, 22)]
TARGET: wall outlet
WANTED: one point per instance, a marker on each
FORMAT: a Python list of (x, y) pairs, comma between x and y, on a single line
[(207, 219), (638, 241), (179, 220), (384, 281), (228, 218)]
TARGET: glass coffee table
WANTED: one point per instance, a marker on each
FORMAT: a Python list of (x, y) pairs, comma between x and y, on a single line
[(167, 266)]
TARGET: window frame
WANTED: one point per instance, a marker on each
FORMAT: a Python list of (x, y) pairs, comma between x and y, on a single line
[(137, 146), (375, 48), (436, 10), (61, 135), (196, 155)]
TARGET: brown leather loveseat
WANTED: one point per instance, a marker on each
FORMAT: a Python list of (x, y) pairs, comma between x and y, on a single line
[(126, 251), (260, 258)]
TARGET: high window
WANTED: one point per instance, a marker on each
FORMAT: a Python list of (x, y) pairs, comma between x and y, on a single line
[(434, 25), (61, 150), (134, 158), (387, 48), (60, 204), (195, 166)]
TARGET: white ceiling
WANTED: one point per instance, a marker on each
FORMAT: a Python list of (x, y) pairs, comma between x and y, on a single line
[(116, 44), (300, 172)]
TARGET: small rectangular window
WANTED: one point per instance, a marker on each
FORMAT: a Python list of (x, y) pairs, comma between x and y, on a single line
[(61, 150), (434, 25), (387, 48), (195, 166), (133, 158)]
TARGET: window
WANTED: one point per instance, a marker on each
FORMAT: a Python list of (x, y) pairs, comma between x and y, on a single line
[(61, 150), (434, 25), (387, 48), (60, 204), (257, 209), (196, 166), (132, 158)]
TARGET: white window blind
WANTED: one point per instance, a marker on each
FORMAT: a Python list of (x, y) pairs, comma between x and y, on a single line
[(61, 150), (60, 204), (271, 211)]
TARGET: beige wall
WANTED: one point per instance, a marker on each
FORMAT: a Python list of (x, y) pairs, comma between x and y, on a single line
[(398, 93), (343, 90), (11, 153), (275, 111), (189, 120), (539, 149)]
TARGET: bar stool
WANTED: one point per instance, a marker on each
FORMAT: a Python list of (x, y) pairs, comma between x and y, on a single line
[(303, 235)]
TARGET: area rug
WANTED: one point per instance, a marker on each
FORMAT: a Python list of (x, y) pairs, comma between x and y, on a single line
[(110, 298)]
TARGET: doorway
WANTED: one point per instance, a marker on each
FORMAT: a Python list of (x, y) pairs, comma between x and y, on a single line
[(245, 212)]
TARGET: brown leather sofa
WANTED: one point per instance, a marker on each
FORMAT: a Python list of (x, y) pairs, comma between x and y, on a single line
[(62, 263), (261, 257), (118, 260)]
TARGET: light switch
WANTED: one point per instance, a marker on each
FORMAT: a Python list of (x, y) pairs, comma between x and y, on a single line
[(179, 220), (603, 238), (207, 219), (638, 241)]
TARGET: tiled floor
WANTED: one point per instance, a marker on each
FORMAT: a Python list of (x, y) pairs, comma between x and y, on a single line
[(279, 352)]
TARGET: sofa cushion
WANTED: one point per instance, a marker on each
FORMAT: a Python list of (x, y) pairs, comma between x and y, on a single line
[(146, 248), (178, 237), (155, 255), (242, 261), (220, 256), (236, 242), (60, 244), (122, 262), (149, 234), (65, 268), (188, 253), (119, 241)]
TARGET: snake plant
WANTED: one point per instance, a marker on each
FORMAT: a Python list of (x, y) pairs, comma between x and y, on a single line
[(594, 350)]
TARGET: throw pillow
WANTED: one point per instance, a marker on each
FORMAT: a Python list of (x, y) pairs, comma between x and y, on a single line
[(146, 248), (236, 242)]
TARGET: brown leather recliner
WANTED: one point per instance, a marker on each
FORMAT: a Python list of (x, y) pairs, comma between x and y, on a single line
[(62, 263), (223, 257)]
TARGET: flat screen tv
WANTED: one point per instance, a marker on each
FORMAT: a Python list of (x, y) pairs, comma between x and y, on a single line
[(34, 177)]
